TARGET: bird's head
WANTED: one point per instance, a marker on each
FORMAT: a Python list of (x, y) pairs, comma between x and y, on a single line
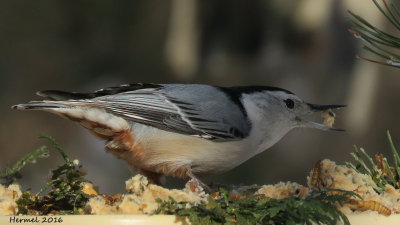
[(279, 110)]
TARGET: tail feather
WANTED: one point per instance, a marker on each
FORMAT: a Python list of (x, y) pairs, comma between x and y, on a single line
[(95, 119), (40, 105), (64, 95)]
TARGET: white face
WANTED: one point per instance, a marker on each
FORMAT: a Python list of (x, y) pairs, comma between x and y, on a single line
[(289, 108), (277, 107)]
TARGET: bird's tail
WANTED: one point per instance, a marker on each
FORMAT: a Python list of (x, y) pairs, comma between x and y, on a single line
[(102, 124), (54, 100)]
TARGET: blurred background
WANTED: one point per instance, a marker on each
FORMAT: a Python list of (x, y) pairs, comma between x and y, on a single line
[(302, 46)]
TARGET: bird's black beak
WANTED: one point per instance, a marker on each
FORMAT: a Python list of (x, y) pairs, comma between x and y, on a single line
[(320, 108), (316, 108)]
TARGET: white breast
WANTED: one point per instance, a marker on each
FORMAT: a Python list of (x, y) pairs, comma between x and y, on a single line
[(203, 156)]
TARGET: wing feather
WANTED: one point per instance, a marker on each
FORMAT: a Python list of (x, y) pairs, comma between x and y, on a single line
[(168, 113)]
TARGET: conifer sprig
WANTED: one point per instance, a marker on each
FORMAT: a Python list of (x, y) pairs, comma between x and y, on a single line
[(377, 41)]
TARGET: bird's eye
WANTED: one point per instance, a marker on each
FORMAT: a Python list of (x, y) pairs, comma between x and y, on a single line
[(289, 103)]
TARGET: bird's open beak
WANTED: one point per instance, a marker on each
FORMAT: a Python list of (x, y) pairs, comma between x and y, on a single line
[(320, 108), (317, 108)]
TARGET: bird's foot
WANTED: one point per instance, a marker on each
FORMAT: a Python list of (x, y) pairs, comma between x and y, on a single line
[(197, 186)]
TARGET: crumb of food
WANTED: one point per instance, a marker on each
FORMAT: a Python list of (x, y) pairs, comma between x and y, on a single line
[(89, 189), (282, 190), (142, 198), (335, 176), (98, 206), (136, 184), (329, 117), (131, 204), (8, 197), (111, 199), (390, 190)]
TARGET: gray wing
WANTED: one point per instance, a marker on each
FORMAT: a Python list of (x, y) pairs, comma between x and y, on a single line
[(198, 110)]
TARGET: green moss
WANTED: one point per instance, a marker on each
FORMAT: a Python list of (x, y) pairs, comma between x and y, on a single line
[(10, 175), (318, 207), (65, 194)]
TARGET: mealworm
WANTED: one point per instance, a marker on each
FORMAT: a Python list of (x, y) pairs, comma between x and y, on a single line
[(371, 205), (315, 176)]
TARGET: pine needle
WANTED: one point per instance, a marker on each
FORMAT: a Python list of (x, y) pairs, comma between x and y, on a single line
[(377, 41), (380, 172)]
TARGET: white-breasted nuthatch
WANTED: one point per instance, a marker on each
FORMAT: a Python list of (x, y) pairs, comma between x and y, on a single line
[(183, 130)]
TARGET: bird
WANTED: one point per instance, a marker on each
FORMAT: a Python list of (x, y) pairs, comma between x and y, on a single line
[(183, 130)]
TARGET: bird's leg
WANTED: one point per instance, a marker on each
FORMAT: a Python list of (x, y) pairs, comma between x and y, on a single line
[(197, 183)]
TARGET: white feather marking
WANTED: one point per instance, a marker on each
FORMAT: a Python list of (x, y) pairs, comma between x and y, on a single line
[(96, 115), (130, 115), (180, 113)]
